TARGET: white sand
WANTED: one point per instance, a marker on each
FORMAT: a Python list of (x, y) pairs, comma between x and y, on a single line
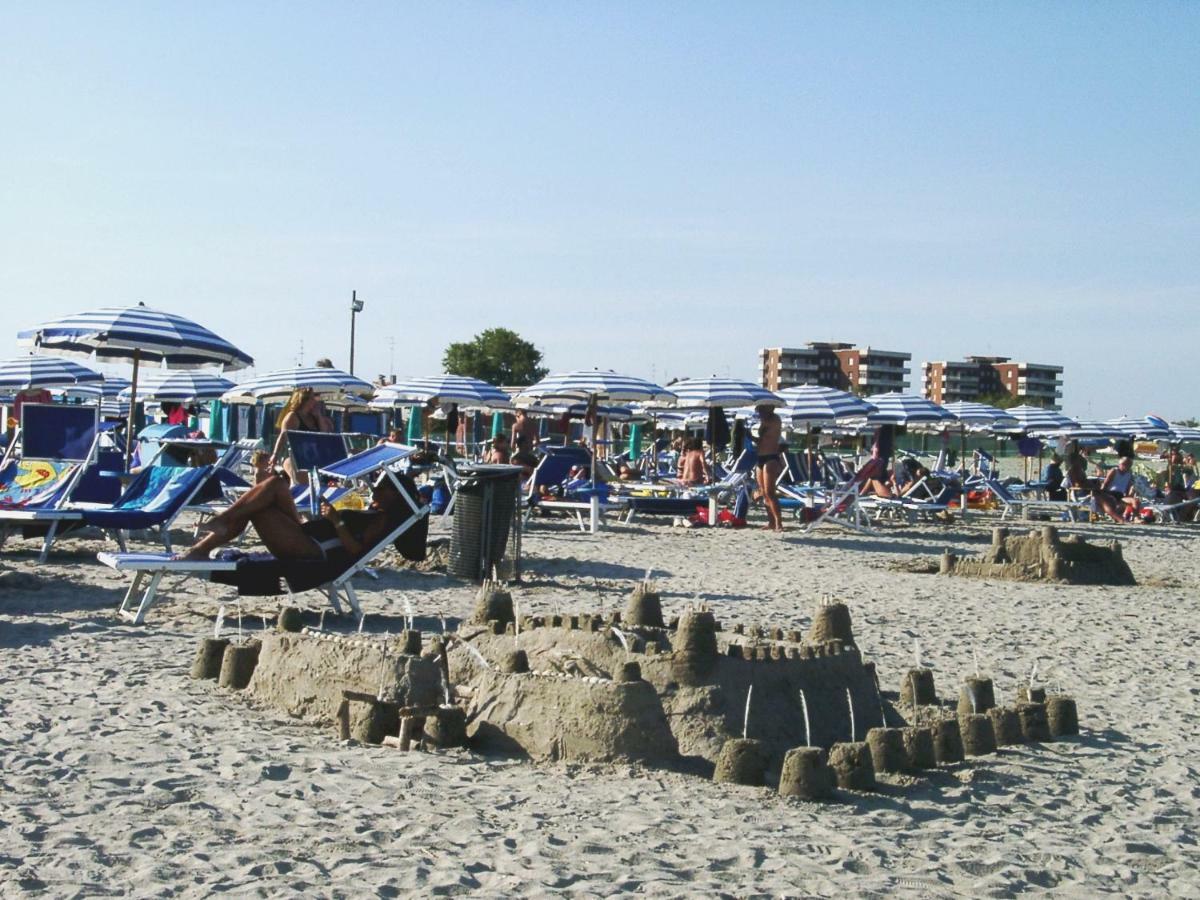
[(120, 775)]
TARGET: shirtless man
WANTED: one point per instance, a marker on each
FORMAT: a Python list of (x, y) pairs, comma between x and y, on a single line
[(770, 463)]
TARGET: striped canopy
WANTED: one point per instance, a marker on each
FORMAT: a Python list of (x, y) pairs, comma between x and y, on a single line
[(179, 387), (1036, 418), (979, 415), (579, 410), (279, 384), (812, 404), (121, 332), (1148, 428), (1185, 434), (44, 372), (906, 409), (727, 392), (586, 384), (442, 389), (1085, 431)]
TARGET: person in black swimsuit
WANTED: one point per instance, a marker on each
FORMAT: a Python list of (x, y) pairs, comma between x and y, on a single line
[(301, 413), (269, 507)]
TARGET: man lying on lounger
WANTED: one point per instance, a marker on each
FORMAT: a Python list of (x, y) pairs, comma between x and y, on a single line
[(269, 507)]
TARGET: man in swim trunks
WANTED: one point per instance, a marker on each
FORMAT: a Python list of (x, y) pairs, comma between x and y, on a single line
[(770, 463)]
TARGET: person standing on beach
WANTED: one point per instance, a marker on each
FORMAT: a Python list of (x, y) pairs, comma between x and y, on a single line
[(769, 464)]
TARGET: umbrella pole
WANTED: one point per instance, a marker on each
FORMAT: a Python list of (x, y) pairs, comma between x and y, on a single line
[(129, 435)]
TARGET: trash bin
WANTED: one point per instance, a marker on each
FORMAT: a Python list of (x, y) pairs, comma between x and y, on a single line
[(485, 510)]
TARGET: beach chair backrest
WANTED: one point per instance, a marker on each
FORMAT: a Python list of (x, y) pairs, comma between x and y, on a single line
[(315, 449), (58, 431), (162, 489), (557, 464), (35, 483), (1000, 489)]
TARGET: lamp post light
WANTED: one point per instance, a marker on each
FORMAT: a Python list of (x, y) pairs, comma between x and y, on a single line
[(356, 306)]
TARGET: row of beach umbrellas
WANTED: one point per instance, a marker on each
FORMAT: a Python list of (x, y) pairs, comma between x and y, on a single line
[(182, 349)]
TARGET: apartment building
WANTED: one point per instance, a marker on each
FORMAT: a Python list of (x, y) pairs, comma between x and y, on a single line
[(978, 377), (862, 370)]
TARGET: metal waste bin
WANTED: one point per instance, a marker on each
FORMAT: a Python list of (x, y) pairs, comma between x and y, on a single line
[(486, 527)]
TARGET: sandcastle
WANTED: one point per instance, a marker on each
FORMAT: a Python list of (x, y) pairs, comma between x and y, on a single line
[(1041, 555), (747, 705)]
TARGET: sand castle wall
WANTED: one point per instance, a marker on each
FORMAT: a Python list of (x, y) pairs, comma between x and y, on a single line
[(1042, 555), (305, 674)]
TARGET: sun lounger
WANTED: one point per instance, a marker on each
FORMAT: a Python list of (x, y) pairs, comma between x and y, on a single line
[(264, 575)]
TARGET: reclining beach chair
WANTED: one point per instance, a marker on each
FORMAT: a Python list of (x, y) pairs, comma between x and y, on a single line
[(1014, 504), (263, 575), (56, 445), (552, 473), (153, 500)]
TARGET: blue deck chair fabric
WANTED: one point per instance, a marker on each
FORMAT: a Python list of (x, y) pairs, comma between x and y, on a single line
[(366, 463), (315, 449), (153, 498)]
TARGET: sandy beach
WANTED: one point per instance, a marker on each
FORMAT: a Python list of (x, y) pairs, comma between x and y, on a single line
[(119, 775)]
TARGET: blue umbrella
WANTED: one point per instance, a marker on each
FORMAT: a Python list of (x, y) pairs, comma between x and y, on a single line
[(812, 404), (44, 372), (442, 389), (1148, 428), (1035, 418), (906, 409), (724, 392), (135, 333), (280, 383), (180, 387)]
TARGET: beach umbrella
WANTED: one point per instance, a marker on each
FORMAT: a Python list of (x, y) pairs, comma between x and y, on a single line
[(280, 383), (906, 409), (135, 334), (1150, 428), (1035, 418), (179, 387), (979, 415), (580, 411), (813, 404), (722, 392), (1185, 434), (591, 387), (457, 389), (26, 372), (1083, 430)]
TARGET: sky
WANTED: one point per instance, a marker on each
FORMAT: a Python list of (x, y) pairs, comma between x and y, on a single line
[(657, 188)]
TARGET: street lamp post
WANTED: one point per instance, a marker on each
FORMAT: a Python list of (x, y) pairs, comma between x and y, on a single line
[(356, 306)]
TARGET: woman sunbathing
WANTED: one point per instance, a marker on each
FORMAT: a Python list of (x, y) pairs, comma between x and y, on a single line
[(269, 507)]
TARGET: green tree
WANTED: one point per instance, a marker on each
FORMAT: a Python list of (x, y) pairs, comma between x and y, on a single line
[(498, 356)]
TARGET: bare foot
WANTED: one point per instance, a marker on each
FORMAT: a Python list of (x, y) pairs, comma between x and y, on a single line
[(196, 554), (213, 527)]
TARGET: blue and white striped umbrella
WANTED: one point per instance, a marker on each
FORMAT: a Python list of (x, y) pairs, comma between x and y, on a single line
[(1185, 434), (906, 409), (129, 332), (979, 415), (44, 372), (1149, 428), (1085, 431), (580, 410), (813, 404), (594, 383), (442, 389), (1035, 418), (281, 383), (725, 392), (179, 387)]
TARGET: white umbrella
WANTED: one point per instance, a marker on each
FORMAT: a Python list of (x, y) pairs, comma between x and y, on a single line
[(1035, 418), (25, 372), (135, 333), (1185, 434), (1149, 428), (457, 389), (906, 409), (813, 404), (1085, 431), (179, 387), (280, 383), (723, 392)]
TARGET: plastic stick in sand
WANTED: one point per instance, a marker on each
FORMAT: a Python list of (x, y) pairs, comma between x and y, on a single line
[(264, 618), (746, 715), (475, 653), (442, 619), (850, 704), (408, 612), (882, 708), (646, 580), (912, 677), (239, 608), (620, 637), (971, 695), (361, 619), (975, 654), (442, 676), (383, 675), (220, 622), (1033, 674), (804, 709), (321, 621)]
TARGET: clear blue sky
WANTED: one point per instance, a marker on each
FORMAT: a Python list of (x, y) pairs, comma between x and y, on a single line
[(660, 188)]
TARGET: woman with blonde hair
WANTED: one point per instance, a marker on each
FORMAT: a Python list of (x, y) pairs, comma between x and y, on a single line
[(302, 412)]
